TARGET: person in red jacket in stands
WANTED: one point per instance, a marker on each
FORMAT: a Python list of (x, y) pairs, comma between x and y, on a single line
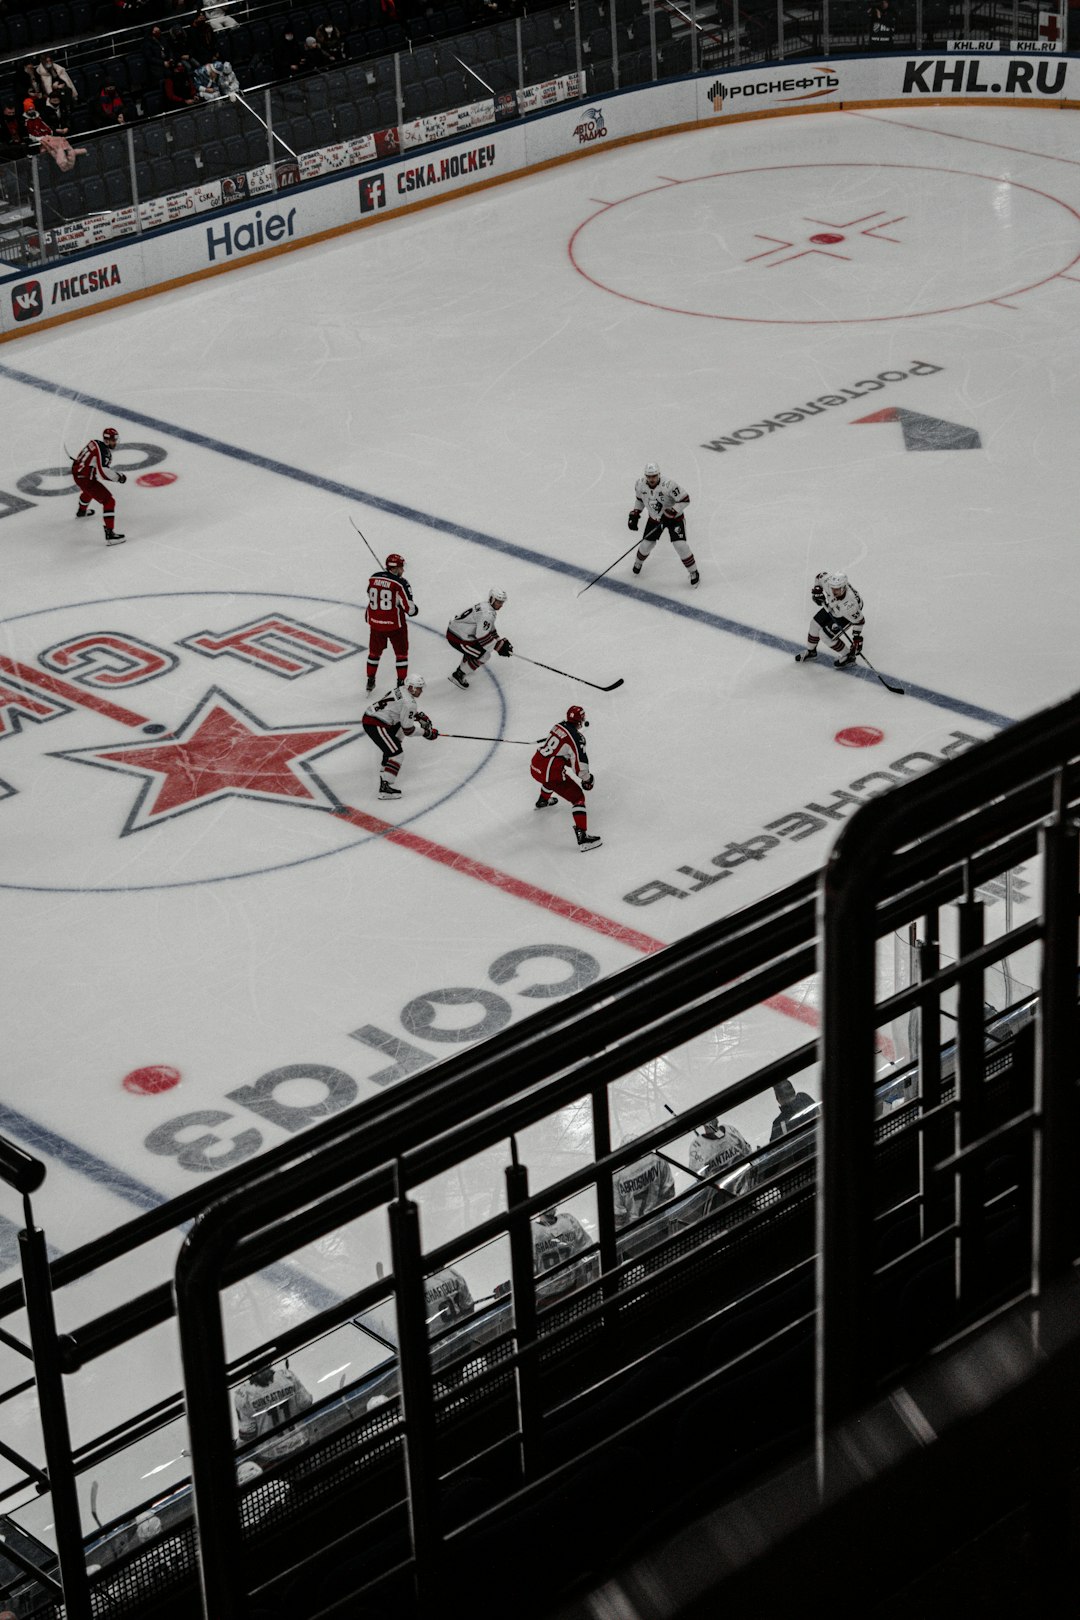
[(112, 105)]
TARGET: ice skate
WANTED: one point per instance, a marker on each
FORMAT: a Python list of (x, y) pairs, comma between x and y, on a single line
[(370, 687), (805, 656), (637, 565), (544, 803), (587, 840), (83, 511), (842, 663), (458, 679), (388, 791), (695, 577), (114, 539)]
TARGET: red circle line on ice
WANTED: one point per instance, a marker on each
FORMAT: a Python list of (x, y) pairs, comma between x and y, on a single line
[(156, 480), (575, 246), (859, 736), (152, 1079)]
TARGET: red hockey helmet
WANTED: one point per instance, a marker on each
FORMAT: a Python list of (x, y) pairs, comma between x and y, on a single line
[(395, 563), (575, 715), (110, 436)]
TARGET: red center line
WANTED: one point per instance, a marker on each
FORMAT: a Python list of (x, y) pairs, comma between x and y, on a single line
[(536, 896), (74, 694), (427, 847)]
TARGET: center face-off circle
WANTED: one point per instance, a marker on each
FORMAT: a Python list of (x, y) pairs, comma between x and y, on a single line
[(827, 243)]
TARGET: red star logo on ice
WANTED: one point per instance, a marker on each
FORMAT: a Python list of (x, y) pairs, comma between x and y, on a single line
[(221, 750)]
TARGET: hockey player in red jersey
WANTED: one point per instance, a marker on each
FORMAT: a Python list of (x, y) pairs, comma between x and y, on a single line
[(390, 718), (561, 766), (390, 606), (90, 470)]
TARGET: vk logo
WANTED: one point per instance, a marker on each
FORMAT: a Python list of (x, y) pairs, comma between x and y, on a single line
[(26, 300)]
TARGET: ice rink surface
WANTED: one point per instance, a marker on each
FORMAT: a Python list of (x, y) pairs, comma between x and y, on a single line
[(851, 338)]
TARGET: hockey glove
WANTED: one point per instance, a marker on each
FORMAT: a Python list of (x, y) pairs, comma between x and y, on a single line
[(503, 647), (587, 782), (634, 519), (430, 733), (670, 514), (121, 478), (818, 595)]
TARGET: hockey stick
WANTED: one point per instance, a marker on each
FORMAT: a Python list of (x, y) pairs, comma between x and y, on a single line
[(889, 687), (607, 570), (674, 1115), (365, 539), (579, 678), (470, 736)]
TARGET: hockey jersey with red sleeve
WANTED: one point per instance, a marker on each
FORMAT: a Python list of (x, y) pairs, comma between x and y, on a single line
[(562, 743), (93, 461), (390, 601)]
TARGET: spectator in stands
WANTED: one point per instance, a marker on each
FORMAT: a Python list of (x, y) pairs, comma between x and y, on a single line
[(268, 1400), (207, 82), (796, 1108), (12, 133), (288, 56), (157, 48), (228, 83), (55, 80), (447, 1298), (178, 85), (880, 20), (556, 1237), (200, 42), (329, 40), (111, 103), (314, 55), (26, 81), (54, 116)]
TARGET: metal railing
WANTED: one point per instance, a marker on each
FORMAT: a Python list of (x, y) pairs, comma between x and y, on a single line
[(936, 1159)]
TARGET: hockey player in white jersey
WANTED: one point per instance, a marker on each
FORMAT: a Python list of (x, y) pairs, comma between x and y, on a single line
[(664, 505), (641, 1187), (839, 613), (722, 1151), (473, 633), (268, 1400), (557, 1236), (390, 718), (447, 1299)]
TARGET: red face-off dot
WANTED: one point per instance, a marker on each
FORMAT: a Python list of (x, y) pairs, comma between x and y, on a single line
[(826, 237), (859, 736), (156, 480), (153, 1078)]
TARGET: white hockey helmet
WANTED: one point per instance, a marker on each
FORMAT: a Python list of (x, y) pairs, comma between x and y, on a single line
[(496, 597), (415, 684), (652, 472), (836, 583)]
